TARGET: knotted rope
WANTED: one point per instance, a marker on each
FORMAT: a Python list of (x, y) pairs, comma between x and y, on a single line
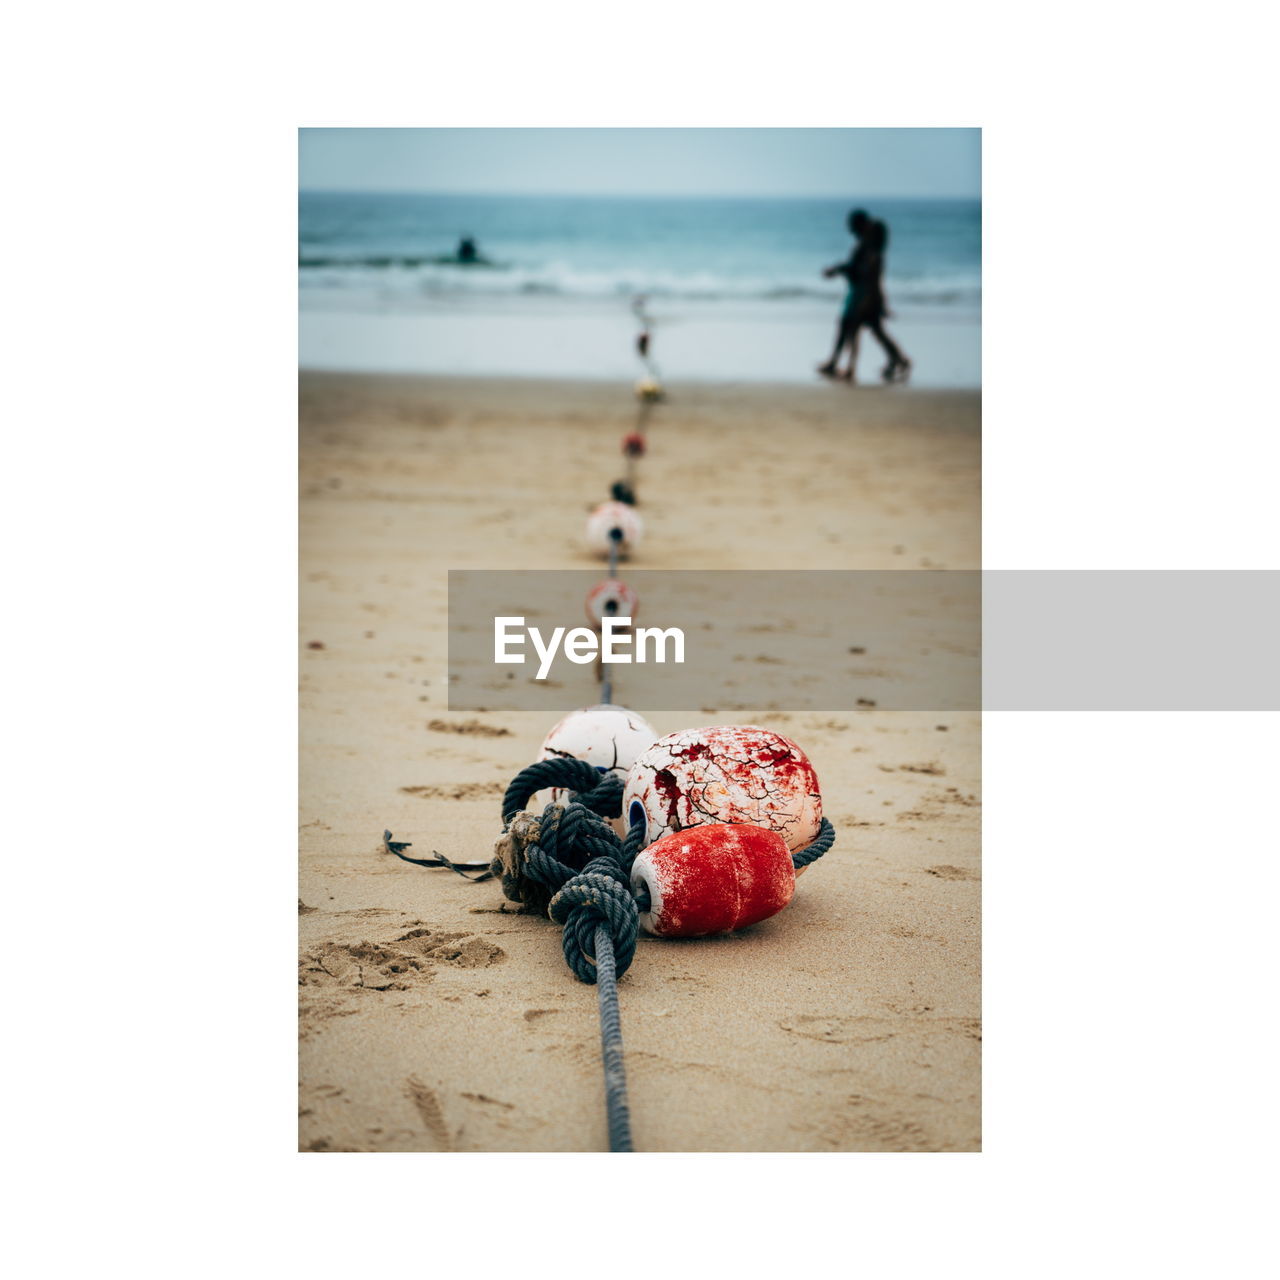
[(568, 859), (569, 862), (572, 860)]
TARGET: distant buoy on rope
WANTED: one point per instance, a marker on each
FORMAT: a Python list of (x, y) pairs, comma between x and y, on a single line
[(633, 444), (649, 391), (614, 524), (605, 736), (711, 879), (724, 774), (611, 598)]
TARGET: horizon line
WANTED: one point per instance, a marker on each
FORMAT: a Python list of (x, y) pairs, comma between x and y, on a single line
[(624, 195)]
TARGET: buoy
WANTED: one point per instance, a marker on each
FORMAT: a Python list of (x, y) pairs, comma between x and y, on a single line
[(606, 736), (614, 522), (633, 445), (611, 592), (649, 391), (713, 878), (642, 342), (724, 774)]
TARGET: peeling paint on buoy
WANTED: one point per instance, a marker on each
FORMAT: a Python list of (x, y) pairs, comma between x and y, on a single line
[(725, 774)]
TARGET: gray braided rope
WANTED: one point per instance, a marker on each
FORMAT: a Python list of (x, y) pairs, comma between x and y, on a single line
[(594, 904), (579, 860), (823, 841), (617, 1110)]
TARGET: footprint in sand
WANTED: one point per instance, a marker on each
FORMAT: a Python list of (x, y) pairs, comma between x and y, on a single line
[(456, 791), (397, 965), (472, 727), (427, 1103), (837, 1029)]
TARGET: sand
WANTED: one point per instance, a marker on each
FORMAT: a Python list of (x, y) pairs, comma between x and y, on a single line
[(433, 1018)]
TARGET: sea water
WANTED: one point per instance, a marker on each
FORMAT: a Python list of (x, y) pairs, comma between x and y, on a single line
[(734, 285)]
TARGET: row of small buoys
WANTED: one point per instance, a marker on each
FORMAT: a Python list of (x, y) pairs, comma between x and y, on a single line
[(614, 528), (720, 810), (614, 829)]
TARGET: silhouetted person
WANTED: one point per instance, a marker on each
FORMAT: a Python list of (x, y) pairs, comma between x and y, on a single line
[(467, 250), (865, 301)]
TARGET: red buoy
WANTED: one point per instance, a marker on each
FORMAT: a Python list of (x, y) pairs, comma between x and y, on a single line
[(633, 445), (713, 878)]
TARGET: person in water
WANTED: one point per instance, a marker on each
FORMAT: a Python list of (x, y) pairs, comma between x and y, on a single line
[(865, 302), (467, 250)]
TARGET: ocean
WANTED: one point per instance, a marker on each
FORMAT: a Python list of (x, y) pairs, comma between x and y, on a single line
[(734, 285)]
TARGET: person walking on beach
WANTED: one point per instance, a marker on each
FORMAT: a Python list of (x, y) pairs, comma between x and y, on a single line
[(865, 301)]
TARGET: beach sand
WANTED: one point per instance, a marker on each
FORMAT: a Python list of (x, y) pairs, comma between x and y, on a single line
[(435, 1019)]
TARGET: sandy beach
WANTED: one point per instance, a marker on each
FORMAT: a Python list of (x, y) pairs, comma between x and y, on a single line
[(433, 1018)]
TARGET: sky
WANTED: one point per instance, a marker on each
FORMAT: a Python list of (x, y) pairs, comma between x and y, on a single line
[(877, 163)]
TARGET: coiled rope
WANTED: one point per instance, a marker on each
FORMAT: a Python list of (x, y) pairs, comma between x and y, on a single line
[(569, 862), (571, 859)]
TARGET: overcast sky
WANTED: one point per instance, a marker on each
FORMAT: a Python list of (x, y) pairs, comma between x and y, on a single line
[(764, 162)]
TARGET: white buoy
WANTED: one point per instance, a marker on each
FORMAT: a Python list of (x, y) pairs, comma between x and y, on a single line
[(606, 736), (614, 523), (611, 598)]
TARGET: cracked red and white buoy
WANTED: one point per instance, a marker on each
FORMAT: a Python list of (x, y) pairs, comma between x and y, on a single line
[(611, 598), (606, 736), (614, 523), (725, 774), (711, 879)]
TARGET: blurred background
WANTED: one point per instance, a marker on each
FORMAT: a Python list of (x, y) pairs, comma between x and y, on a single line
[(725, 232)]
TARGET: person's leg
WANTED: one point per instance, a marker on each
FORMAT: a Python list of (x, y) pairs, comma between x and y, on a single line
[(851, 340), (842, 325), (897, 361)]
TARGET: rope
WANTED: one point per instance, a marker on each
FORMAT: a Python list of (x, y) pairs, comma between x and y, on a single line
[(437, 859), (823, 841), (617, 1110), (571, 853), (600, 792), (569, 862), (594, 905)]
